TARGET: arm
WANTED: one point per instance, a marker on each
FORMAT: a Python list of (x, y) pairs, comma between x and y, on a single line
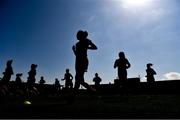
[(93, 79), (63, 78), (92, 46), (128, 64), (74, 49), (154, 72), (71, 77), (115, 64)]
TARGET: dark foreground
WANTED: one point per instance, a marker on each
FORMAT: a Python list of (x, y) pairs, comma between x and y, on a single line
[(93, 106)]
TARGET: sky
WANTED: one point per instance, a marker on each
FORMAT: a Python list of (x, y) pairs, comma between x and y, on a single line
[(43, 32)]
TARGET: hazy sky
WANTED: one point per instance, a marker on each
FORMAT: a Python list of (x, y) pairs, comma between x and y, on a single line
[(44, 31)]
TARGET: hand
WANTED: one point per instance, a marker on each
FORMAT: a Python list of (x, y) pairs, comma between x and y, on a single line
[(73, 47)]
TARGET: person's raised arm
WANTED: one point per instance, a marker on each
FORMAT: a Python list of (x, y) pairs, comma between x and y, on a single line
[(74, 49), (115, 64), (92, 46), (63, 78), (71, 77), (154, 72), (128, 64)]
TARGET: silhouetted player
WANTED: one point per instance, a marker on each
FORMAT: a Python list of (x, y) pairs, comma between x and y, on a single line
[(97, 80), (18, 80), (8, 72), (68, 79), (81, 65), (18, 84), (123, 64), (57, 85), (42, 81), (150, 73), (31, 78)]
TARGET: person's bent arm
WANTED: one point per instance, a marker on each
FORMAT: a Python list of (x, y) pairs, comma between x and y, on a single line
[(63, 78), (128, 64), (92, 46), (115, 64), (71, 77), (74, 49)]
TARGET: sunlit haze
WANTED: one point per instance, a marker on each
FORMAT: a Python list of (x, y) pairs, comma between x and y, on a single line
[(132, 4), (43, 32)]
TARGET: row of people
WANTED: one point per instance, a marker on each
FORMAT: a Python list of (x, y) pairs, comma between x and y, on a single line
[(30, 85), (81, 65), (68, 77)]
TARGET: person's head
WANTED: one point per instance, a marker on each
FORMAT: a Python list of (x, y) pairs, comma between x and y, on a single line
[(96, 74), (19, 74), (67, 70), (9, 62), (121, 55), (33, 66), (85, 34), (56, 80), (81, 35), (149, 65), (42, 78)]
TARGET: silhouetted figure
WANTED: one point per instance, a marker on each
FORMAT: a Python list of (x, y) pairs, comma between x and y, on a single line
[(31, 80), (97, 80), (5, 87), (18, 84), (150, 73), (41, 86), (32, 74), (42, 81), (18, 80), (123, 64), (8, 72), (68, 80), (57, 86), (81, 65)]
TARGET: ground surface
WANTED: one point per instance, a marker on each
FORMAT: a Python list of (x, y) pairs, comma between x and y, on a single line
[(93, 106)]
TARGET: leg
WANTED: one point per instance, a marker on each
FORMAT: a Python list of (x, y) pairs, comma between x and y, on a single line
[(77, 81)]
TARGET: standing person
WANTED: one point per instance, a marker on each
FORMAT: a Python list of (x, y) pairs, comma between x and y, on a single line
[(32, 75), (32, 79), (18, 80), (122, 64), (150, 73), (68, 77), (8, 72), (42, 81), (42, 86), (7, 77), (97, 80), (81, 65), (18, 84), (57, 85)]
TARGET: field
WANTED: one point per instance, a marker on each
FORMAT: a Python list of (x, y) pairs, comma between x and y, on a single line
[(92, 106)]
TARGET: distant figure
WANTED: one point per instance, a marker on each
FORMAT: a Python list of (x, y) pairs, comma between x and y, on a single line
[(123, 64), (150, 73), (81, 65), (68, 80), (32, 74), (31, 89), (42, 81), (97, 80), (18, 80), (8, 72), (57, 85), (42, 87)]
